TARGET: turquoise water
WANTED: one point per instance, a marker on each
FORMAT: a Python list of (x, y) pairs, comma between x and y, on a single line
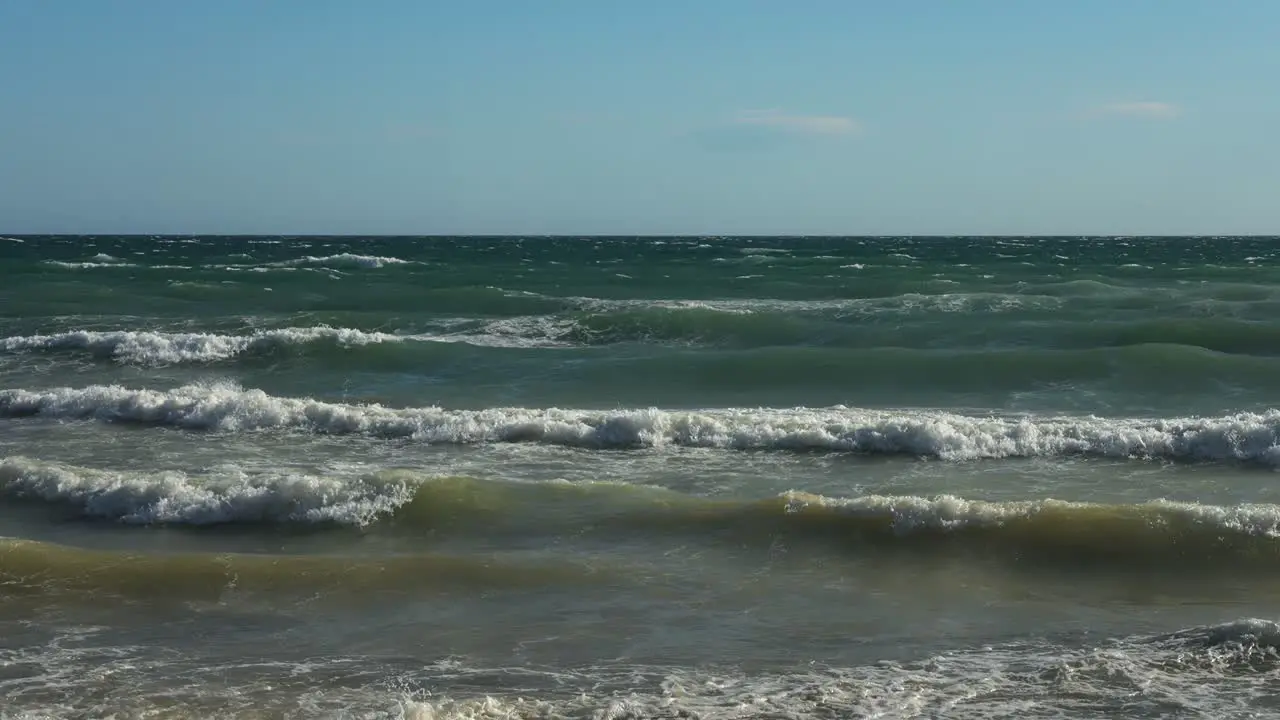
[(586, 477)]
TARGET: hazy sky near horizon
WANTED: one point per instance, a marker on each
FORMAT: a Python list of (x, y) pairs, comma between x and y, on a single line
[(581, 117)]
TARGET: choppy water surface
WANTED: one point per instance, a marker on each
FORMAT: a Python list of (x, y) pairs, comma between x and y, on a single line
[(614, 477)]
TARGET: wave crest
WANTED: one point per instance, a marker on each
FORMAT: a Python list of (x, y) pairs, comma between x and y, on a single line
[(163, 348), (229, 496), (1245, 437), (1149, 533), (343, 260), (90, 264)]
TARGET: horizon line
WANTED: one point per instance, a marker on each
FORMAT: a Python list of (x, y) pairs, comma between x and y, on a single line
[(636, 235)]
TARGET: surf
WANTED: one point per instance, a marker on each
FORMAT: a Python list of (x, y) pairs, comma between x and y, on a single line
[(1156, 533), (1247, 437)]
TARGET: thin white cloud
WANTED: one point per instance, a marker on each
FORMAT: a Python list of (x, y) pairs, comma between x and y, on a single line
[(808, 124), (1142, 109)]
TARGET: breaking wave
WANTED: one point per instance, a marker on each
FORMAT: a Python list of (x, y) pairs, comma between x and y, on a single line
[(530, 320), (343, 260), (1244, 437), (227, 496), (1149, 534), (162, 348), (155, 348), (89, 264)]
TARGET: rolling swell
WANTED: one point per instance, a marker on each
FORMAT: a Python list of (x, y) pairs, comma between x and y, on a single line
[(848, 325), (585, 322), (510, 348), (844, 372), (416, 503), (1146, 534), (1219, 334), (31, 567), (1244, 437)]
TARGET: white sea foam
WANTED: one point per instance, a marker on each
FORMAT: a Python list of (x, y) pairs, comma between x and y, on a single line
[(162, 348), (330, 262), (226, 496), (90, 264), (154, 348), (1210, 671), (230, 494), (1248, 437), (343, 260), (13, 240), (531, 331), (100, 260), (910, 513)]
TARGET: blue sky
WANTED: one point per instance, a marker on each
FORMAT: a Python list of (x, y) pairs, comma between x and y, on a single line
[(589, 116)]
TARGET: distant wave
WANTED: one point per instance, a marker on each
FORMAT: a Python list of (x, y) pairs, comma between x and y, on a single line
[(1246, 437), (101, 260), (338, 261), (343, 260), (153, 348), (1101, 346), (95, 263), (1019, 346), (161, 348)]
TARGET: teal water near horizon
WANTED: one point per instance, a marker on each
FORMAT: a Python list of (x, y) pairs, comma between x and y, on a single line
[(719, 477)]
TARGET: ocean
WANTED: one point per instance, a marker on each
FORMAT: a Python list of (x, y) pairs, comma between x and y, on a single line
[(605, 477)]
